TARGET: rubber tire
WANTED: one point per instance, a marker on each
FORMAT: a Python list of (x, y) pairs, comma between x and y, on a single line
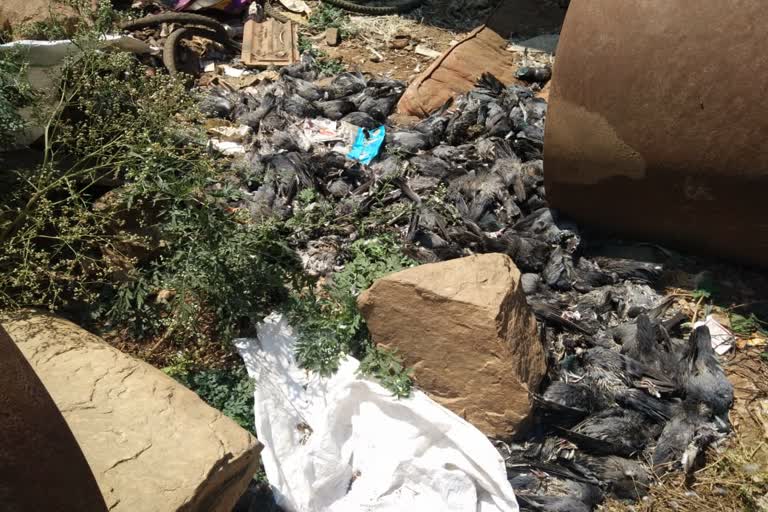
[(172, 41), (407, 5), (178, 17)]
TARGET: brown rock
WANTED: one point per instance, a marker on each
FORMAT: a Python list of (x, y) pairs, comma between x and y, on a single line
[(15, 13), (400, 42), (332, 36), (465, 329), (152, 444)]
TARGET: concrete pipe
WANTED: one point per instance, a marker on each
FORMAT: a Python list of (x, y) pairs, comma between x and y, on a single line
[(41, 464), (657, 122)]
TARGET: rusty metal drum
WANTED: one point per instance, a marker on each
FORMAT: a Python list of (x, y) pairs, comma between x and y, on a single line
[(41, 465), (658, 121)]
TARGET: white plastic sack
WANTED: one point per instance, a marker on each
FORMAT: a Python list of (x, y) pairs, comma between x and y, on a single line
[(345, 444)]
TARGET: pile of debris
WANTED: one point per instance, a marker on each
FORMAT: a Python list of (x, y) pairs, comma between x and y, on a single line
[(625, 388)]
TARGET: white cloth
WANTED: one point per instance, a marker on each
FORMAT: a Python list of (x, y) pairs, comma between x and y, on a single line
[(345, 444)]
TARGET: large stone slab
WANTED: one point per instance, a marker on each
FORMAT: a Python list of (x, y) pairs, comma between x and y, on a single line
[(152, 444), (466, 330), (15, 13)]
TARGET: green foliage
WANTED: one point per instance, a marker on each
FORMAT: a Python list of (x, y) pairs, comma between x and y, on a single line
[(385, 366), (312, 216), (330, 326), (746, 325), (51, 29), (326, 16), (160, 253), (701, 294), (706, 286), (228, 390), (323, 63), (15, 93), (70, 19), (221, 275), (370, 260)]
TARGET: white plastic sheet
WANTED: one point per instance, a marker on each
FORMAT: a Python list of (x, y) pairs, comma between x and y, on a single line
[(345, 444)]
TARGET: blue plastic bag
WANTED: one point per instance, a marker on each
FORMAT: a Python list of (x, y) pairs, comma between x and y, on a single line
[(367, 144)]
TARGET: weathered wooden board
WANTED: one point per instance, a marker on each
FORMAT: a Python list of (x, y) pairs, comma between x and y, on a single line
[(270, 43)]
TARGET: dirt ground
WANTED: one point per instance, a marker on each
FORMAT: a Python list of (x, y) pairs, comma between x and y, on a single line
[(391, 45)]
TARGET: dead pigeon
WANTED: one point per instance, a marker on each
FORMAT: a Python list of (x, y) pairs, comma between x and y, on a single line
[(624, 478), (613, 431), (705, 381), (335, 109), (362, 120), (345, 84)]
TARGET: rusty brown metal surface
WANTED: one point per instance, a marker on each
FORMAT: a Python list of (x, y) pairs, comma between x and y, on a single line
[(41, 465), (657, 122)]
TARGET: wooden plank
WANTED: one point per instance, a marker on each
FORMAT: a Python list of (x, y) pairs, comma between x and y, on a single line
[(270, 43)]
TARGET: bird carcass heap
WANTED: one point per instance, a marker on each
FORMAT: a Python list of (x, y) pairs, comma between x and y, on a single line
[(630, 394)]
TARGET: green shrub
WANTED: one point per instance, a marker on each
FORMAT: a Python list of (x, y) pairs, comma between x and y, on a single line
[(228, 390), (324, 64), (326, 16), (203, 272), (329, 325), (15, 93)]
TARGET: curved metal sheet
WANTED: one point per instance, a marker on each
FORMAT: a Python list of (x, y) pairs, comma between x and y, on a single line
[(41, 464), (657, 121)]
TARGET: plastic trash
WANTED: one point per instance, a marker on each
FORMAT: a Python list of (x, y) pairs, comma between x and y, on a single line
[(351, 141), (345, 444), (367, 144), (298, 6)]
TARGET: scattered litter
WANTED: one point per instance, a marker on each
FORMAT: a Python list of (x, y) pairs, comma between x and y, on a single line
[(344, 443), (367, 144), (377, 57), (722, 338), (234, 72), (427, 51), (320, 131), (228, 148), (755, 341), (352, 141), (231, 133), (298, 6)]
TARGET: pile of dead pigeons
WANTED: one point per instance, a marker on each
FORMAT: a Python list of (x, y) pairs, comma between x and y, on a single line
[(630, 394)]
